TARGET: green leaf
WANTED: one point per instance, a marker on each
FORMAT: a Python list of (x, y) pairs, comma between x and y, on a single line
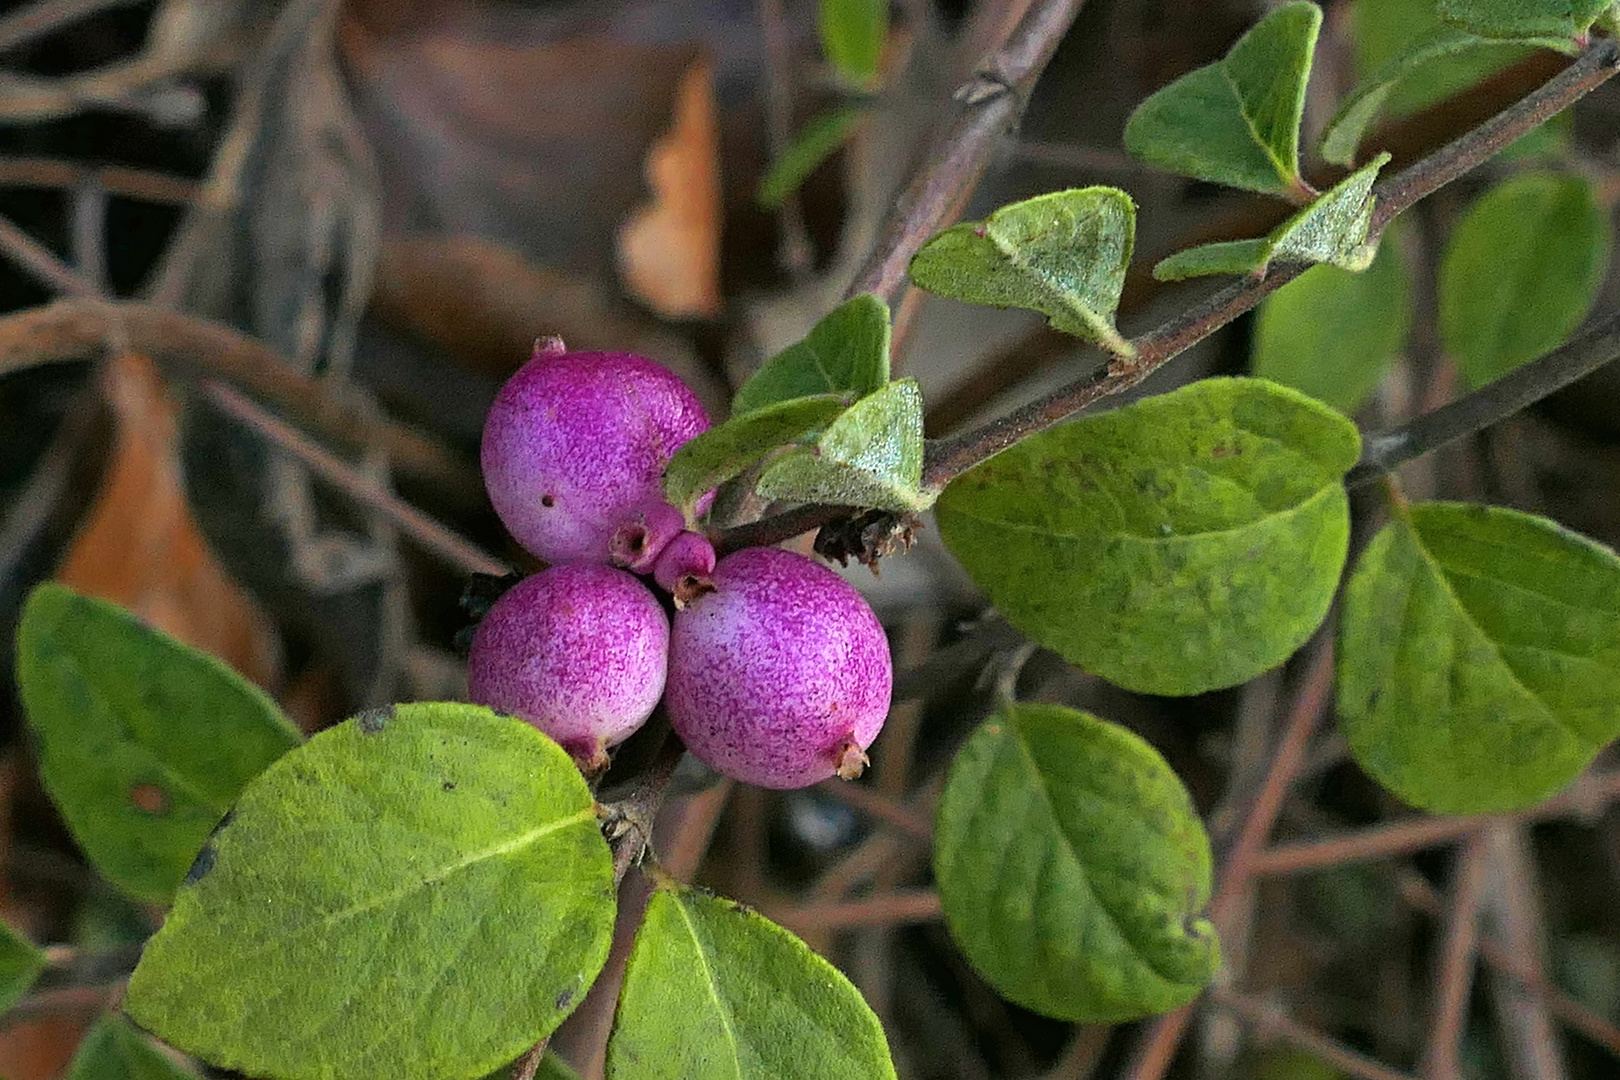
[(1479, 657), (715, 991), (871, 456), (1437, 51), (852, 35), (422, 891), (1383, 29), (1333, 334), (1523, 18), (846, 353), (1072, 868), (143, 742), (1520, 272), (1236, 122), (1064, 255), (114, 1050), (727, 451), (20, 964), (1184, 543), (817, 142), (1333, 229)]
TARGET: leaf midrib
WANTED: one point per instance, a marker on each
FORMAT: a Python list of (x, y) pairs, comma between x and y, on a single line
[(1070, 303), (1208, 534), (1285, 172), (1044, 790), (416, 884), (133, 741), (1467, 617), (712, 986)]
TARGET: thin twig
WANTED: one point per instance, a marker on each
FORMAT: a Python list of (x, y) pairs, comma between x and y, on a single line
[(1383, 452), (1455, 977), (365, 490), (1511, 909), (1587, 798), (529, 1063), (867, 800), (40, 263), (89, 229), (629, 821), (1571, 1013), (1163, 1036), (194, 349), (47, 17), (116, 179), (989, 104), (1276, 1024), (885, 909), (66, 1001)]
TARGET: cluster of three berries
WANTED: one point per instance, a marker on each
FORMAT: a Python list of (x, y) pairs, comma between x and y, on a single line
[(775, 670)]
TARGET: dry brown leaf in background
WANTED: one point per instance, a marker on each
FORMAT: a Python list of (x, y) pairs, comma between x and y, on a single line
[(669, 250), (528, 127), (40, 1049), (140, 547), (484, 304)]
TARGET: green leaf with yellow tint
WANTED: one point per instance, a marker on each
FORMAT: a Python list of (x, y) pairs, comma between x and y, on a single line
[(1180, 544), (421, 891), (715, 991), (1479, 657), (1073, 868)]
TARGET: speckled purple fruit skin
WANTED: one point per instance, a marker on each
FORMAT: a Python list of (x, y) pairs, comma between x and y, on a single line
[(578, 651), (775, 669), (575, 444)]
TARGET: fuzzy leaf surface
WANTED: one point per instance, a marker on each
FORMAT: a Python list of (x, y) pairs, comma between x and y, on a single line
[(422, 891), (1520, 272), (1236, 121), (1073, 868), (727, 450), (1064, 255), (144, 743), (715, 991), (1523, 18), (1332, 229), (1177, 545), (1333, 334), (1479, 657), (871, 456), (846, 353)]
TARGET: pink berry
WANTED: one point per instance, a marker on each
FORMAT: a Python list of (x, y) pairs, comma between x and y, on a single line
[(684, 567), (578, 651), (637, 543), (780, 676), (574, 446)]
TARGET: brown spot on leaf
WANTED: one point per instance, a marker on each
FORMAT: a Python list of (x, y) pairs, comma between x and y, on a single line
[(149, 799)]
